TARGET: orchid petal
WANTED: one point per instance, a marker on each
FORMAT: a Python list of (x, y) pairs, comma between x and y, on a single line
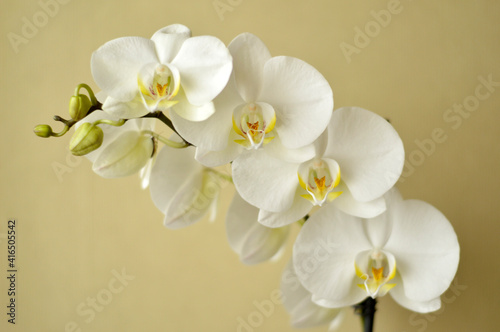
[(423, 307), (301, 97), (249, 56), (115, 65), (218, 158), (253, 242), (368, 150), (134, 108), (265, 182), (299, 209), (192, 112), (205, 65), (173, 168), (212, 133), (297, 301), (428, 259), (348, 204), (169, 40), (124, 156), (324, 255)]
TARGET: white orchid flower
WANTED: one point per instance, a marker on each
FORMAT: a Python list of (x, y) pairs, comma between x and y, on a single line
[(254, 243), (352, 165), (410, 251), (125, 150), (266, 98), (172, 69), (304, 313), (183, 189)]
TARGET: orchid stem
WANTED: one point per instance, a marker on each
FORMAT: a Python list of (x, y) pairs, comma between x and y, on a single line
[(163, 118), (366, 310)]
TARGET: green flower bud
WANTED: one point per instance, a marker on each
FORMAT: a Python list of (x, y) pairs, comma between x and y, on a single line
[(86, 139), (79, 106), (43, 130)]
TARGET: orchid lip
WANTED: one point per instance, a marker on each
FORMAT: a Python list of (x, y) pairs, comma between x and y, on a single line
[(254, 122), (376, 268), (158, 85), (319, 178)]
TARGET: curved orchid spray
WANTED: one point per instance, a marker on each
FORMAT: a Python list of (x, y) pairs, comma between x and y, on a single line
[(293, 159)]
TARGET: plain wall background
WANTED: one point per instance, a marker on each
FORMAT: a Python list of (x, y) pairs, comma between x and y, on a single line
[(76, 229)]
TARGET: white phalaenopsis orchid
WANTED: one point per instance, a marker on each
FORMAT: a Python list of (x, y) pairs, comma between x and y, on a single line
[(410, 251), (170, 70), (183, 189), (125, 149), (253, 242), (304, 313), (357, 160), (268, 100)]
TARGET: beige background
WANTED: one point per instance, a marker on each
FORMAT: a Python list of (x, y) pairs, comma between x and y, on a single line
[(73, 231)]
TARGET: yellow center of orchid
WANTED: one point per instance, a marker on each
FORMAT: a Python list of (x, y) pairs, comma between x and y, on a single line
[(253, 122), (376, 268), (159, 87), (319, 178)]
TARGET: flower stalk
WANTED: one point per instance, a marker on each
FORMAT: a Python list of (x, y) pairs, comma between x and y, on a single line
[(366, 310)]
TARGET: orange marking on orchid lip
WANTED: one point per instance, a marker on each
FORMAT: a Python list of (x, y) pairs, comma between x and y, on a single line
[(377, 273), (161, 88), (320, 183), (253, 126)]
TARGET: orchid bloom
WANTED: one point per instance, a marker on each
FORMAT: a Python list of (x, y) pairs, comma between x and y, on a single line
[(183, 189), (254, 243), (125, 150), (268, 100), (352, 165), (170, 70), (410, 251), (304, 313)]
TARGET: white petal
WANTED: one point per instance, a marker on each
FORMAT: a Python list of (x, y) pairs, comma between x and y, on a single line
[(297, 301), (192, 112), (253, 242), (169, 40), (134, 108), (205, 65), (426, 249), (399, 296), (265, 182), (276, 149), (301, 97), (296, 212), (173, 168), (127, 154), (368, 150), (324, 255), (348, 204), (249, 56), (189, 205), (218, 158), (211, 134), (115, 65)]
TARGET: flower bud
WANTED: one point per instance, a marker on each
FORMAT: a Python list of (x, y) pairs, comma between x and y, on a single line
[(79, 106), (86, 139), (43, 130)]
